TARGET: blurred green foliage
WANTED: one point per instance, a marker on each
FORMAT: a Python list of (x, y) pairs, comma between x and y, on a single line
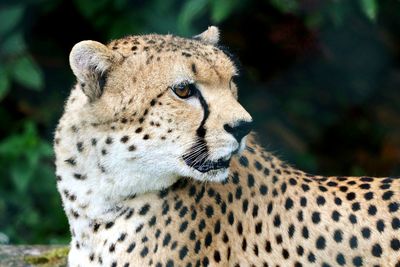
[(35, 80)]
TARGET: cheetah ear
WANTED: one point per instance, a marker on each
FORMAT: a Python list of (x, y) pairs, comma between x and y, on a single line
[(90, 61), (210, 36)]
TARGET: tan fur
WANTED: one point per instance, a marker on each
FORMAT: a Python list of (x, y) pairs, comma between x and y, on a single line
[(131, 200)]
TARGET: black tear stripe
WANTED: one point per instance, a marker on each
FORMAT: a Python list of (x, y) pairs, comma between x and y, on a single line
[(201, 133)]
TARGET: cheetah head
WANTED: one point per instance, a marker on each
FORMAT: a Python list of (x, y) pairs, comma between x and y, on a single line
[(160, 107)]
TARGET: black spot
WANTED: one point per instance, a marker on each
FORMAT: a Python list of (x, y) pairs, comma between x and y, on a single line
[(311, 257), (366, 232), (320, 243), (144, 209), (258, 228), (244, 161), (283, 188), (238, 193), (152, 221), (194, 70), (167, 239), (340, 259), (263, 189), (396, 223), (183, 211), (291, 230), (305, 232), (380, 225), (387, 195), (79, 176), (369, 195), (255, 211), (305, 187), (395, 244), (355, 206), (183, 252), (131, 247), (285, 253), (353, 242), (139, 228), (279, 239), (240, 228), (357, 261), (393, 207), (277, 221), (300, 250), (206, 261), (245, 205), (109, 140), (300, 216), (202, 225), (71, 161), (244, 244), (270, 208), (230, 218), (250, 180), (217, 227), (315, 217), (353, 218), (225, 238), (109, 225), (338, 236), (96, 227), (288, 203), (79, 146), (208, 239), (376, 250), (338, 201), (350, 196), (336, 216), (197, 246), (183, 226), (372, 210)]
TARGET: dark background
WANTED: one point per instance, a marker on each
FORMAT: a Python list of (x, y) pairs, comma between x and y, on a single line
[(321, 79)]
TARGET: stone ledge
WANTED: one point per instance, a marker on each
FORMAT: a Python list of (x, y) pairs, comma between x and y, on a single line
[(33, 255)]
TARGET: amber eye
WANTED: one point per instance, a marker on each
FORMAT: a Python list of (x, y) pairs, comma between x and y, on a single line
[(184, 90)]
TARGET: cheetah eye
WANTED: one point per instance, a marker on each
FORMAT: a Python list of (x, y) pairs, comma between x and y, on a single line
[(184, 90)]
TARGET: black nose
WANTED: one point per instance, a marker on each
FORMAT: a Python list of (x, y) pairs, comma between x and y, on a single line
[(240, 130)]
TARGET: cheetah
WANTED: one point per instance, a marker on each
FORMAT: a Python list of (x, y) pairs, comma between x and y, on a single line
[(156, 166)]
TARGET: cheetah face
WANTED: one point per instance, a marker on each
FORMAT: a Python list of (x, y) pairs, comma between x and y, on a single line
[(171, 102)]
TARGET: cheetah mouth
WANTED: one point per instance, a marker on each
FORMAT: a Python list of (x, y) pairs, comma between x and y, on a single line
[(208, 165)]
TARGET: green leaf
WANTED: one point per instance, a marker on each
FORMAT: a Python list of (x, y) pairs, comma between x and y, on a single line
[(370, 8), (28, 73), (338, 11), (21, 174), (9, 17), (4, 83), (221, 9), (89, 8), (13, 44), (190, 11), (285, 6)]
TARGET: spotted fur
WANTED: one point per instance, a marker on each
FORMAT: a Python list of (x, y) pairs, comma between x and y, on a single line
[(132, 201)]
